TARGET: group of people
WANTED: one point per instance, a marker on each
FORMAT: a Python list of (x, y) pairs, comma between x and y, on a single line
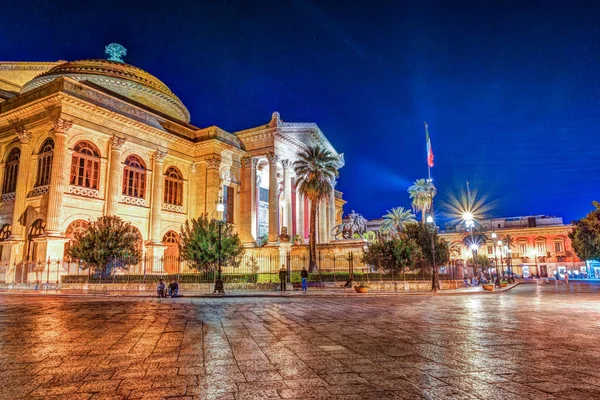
[(283, 275), (162, 290)]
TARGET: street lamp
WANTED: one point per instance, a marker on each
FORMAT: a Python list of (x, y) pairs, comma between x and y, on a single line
[(474, 249), (221, 220), (436, 282), (501, 260), (494, 236), (535, 253)]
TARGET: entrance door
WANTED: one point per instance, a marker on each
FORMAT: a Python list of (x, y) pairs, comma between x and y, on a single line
[(171, 258), (543, 271)]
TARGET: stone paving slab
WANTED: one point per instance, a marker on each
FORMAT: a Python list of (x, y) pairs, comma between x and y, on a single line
[(534, 342)]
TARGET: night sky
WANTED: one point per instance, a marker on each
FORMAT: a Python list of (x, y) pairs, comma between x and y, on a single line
[(510, 89)]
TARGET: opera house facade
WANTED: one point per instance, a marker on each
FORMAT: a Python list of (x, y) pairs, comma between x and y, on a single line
[(88, 138)]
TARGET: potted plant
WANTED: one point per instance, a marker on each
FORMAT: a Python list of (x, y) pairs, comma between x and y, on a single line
[(488, 286), (362, 288), (503, 283)]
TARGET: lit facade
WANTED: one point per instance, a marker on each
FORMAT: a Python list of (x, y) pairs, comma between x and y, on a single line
[(88, 138), (541, 245)]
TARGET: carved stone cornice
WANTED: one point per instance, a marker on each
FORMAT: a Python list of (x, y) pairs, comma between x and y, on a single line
[(160, 155), (61, 126), (272, 158), (116, 143), (23, 134), (194, 167), (213, 162)]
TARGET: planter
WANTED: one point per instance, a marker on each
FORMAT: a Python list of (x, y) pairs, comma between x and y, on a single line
[(488, 287), (360, 289), (503, 284)]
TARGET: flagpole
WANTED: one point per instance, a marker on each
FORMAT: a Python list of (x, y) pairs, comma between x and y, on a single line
[(428, 142)]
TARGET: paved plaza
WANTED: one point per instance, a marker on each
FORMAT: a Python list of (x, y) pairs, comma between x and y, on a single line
[(533, 342)]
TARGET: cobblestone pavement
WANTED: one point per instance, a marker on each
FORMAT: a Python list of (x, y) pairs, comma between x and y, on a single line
[(533, 342)]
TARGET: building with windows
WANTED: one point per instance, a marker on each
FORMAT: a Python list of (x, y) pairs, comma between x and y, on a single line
[(88, 138), (539, 244)]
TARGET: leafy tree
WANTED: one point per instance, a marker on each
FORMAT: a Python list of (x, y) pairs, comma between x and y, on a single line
[(316, 169), (585, 235), (482, 261), (395, 219), (396, 254), (107, 243), (199, 243), (422, 193), (422, 236)]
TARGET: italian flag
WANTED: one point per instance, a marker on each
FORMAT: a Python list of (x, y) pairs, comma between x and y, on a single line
[(429, 149)]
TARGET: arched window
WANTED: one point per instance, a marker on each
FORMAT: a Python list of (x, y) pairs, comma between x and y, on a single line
[(37, 229), (85, 167), (173, 187), (11, 171), (76, 227), (5, 232), (134, 177), (45, 163)]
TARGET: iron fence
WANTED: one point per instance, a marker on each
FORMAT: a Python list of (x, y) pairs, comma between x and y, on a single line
[(249, 268)]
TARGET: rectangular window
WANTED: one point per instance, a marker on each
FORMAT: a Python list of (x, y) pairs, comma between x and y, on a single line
[(541, 248), (558, 247), (523, 249), (228, 200), (490, 250)]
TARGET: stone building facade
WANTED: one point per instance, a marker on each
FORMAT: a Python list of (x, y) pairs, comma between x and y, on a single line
[(540, 245), (88, 138)]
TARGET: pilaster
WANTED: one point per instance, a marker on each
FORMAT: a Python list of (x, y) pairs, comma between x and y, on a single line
[(213, 184), (157, 193), (273, 198), (114, 176), (247, 201), (18, 222), (58, 177)]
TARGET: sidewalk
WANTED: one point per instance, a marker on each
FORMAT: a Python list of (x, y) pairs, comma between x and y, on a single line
[(255, 293)]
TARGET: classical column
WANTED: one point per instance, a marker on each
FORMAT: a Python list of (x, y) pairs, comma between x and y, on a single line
[(192, 201), (273, 198), (287, 195), (322, 221), (114, 176), (331, 212), (299, 214), (22, 178), (213, 184), (157, 194), (58, 179), (247, 200)]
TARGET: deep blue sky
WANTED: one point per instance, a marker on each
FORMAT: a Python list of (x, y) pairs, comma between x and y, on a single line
[(510, 89)]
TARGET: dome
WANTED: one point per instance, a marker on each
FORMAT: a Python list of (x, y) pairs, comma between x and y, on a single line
[(123, 79)]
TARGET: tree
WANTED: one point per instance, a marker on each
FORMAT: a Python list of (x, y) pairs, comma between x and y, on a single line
[(428, 240), (396, 254), (107, 243), (422, 193), (316, 169), (483, 261), (395, 219), (585, 235), (199, 241), (509, 242)]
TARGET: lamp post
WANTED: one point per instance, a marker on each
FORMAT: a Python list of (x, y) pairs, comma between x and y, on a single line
[(221, 220), (470, 224), (474, 249), (497, 283), (435, 280), (535, 253), (501, 260)]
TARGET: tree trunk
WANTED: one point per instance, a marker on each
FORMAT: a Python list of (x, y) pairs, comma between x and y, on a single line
[(423, 216), (312, 238)]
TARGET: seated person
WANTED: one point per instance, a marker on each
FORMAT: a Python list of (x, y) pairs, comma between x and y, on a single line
[(161, 289), (173, 288), (349, 282)]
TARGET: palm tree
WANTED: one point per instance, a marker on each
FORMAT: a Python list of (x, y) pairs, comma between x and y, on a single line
[(394, 220), (316, 169), (422, 192), (509, 242)]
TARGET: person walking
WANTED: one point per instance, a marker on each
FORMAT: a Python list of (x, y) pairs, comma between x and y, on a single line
[(304, 276), (566, 277), (282, 277)]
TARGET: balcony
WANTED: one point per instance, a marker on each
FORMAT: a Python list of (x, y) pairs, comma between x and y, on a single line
[(173, 208), (134, 201), (83, 191), (8, 197), (39, 191)]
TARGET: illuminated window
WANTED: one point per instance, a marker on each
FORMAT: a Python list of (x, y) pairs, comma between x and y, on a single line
[(11, 171), (541, 248), (173, 187), (45, 163), (85, 166), (559, 247), (75, 228), (523, 248), (490, 250), (134, 177)]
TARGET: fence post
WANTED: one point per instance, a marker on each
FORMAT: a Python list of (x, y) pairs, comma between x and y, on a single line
[(319, 267), (58, 265), (334, 268), (288, 265)]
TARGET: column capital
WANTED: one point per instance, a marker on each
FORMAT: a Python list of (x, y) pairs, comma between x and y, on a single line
[(213, 162), (249, 162), (273, 158), (193, 167), (286, 164), (23, 134), (61, 126), (160, 155), (116, 143)]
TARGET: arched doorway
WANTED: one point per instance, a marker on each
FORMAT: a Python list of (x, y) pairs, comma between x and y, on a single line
[(32, 260), (171, 259)]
